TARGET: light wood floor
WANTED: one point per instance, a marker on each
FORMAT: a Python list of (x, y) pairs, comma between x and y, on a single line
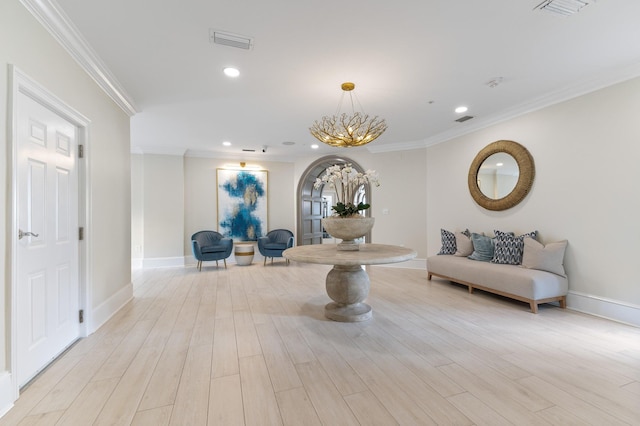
[(250, 346)]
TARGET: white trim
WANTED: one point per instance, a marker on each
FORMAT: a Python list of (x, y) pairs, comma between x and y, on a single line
[(6, 393), (163, 262), (136, 263), (601, 81), (606, 308), (108, 308), (408, 264), (54, 20), (19, 82)]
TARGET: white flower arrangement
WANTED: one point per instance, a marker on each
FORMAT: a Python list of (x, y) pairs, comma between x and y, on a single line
[(346, 181)]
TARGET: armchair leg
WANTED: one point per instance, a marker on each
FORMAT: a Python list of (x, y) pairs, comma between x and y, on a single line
[(265, 261), (225, 263), (199, 265), (216, 263)]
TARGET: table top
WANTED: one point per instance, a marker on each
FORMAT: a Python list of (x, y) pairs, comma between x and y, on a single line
[(369, 254)]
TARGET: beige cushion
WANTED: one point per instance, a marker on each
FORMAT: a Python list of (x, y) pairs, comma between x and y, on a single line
[(464, 246), (544, 258)]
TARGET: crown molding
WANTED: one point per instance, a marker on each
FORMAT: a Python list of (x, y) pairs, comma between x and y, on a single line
[(581, 88), (54, 20)]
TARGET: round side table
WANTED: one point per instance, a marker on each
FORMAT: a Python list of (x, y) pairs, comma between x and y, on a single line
[(244, 253)]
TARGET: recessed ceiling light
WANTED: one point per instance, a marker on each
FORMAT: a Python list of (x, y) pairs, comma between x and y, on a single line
[(461, 109), (226, 143), (231, 72), (499, 164), (314, 146)]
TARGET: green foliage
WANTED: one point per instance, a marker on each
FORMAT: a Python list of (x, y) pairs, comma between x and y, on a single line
[(349, 209)]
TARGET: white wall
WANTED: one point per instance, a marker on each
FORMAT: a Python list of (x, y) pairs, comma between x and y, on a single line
[(163, 206), (25, 44), (180, 199), (402, 192), (586, 154)]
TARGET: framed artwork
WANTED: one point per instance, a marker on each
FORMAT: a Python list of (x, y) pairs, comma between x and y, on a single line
[(242, 203)]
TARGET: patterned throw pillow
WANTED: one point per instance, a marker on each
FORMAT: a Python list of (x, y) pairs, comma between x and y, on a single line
[(509, 248), (449, 241), (483, 248)]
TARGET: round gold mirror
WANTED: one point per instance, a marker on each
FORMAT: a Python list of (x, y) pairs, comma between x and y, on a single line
[(501, 175)]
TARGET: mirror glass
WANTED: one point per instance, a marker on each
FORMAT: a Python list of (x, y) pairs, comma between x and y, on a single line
[(498, 175)]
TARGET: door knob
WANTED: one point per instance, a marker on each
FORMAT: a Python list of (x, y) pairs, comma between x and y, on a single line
[(22, 234)]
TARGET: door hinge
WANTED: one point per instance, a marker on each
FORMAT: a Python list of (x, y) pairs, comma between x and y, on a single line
[(81, 315), (81, 233), (80, 151)]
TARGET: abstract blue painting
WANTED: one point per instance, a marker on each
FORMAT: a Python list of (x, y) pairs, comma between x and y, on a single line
[(242, 204)]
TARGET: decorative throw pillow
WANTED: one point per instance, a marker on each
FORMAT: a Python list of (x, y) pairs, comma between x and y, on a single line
[(449, 241), (464, 246), (509, 248), (548, 258), (482, 247)]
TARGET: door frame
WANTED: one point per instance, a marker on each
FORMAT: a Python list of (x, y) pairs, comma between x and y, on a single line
[(21, 83), (305, 185)]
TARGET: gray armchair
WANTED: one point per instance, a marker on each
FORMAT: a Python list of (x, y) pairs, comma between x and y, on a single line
[(210, 245), (274, 243)]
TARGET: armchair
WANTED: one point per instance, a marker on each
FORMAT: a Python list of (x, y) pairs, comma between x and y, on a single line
[(210, 245), (274, 243)]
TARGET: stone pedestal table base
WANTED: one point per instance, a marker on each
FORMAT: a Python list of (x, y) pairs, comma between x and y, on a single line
[(348, 287), (347, 283)]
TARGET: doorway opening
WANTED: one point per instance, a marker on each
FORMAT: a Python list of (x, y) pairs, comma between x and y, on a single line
[(314, 204)]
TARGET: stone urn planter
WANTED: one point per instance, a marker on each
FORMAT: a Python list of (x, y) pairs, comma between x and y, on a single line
[(348, 229)]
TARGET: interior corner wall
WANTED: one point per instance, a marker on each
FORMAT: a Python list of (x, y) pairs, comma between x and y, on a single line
[(585, 190), (25, 44), (163, 210), (137, 210)]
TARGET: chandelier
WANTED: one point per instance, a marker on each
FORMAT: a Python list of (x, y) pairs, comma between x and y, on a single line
[(343, 130)]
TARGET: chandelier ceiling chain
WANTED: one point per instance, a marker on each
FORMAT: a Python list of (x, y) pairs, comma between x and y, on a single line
[(343, 130)]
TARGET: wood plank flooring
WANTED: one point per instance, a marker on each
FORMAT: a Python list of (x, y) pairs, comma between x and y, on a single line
[(249, 345)]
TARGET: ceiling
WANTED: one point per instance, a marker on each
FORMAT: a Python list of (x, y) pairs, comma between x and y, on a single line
[(413, 62)]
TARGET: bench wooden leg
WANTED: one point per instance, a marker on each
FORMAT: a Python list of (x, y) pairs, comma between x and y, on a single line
[(470, 289), (428, 276), (534, 307), (563, 302)]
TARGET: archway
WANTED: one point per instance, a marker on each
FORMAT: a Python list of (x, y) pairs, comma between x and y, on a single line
[(312, 207)]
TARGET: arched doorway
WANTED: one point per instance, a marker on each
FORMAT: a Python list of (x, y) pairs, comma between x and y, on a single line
[(312, 206)]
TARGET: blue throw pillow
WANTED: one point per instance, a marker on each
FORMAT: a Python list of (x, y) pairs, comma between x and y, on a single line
[(509, 248), (482, 247)]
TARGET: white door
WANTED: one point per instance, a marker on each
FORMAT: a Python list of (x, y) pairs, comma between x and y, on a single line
[(47, 251)]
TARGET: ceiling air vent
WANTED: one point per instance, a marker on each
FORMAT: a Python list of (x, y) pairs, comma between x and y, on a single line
[(229, 39), (465, 118), (563, 7), (248, 150)]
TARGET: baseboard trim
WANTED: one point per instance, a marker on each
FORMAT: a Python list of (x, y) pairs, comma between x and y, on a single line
[(7, 396), (604, 308), (107, 309), (162, 262), (409, 264)]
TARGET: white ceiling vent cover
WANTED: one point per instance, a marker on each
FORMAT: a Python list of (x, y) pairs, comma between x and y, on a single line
[(229, 39), (563, 7)]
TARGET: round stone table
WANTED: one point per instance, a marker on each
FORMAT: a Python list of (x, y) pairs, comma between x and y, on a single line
[(347, 283)]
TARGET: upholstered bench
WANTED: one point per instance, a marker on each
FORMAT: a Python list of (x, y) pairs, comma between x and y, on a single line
[(514, 281)]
